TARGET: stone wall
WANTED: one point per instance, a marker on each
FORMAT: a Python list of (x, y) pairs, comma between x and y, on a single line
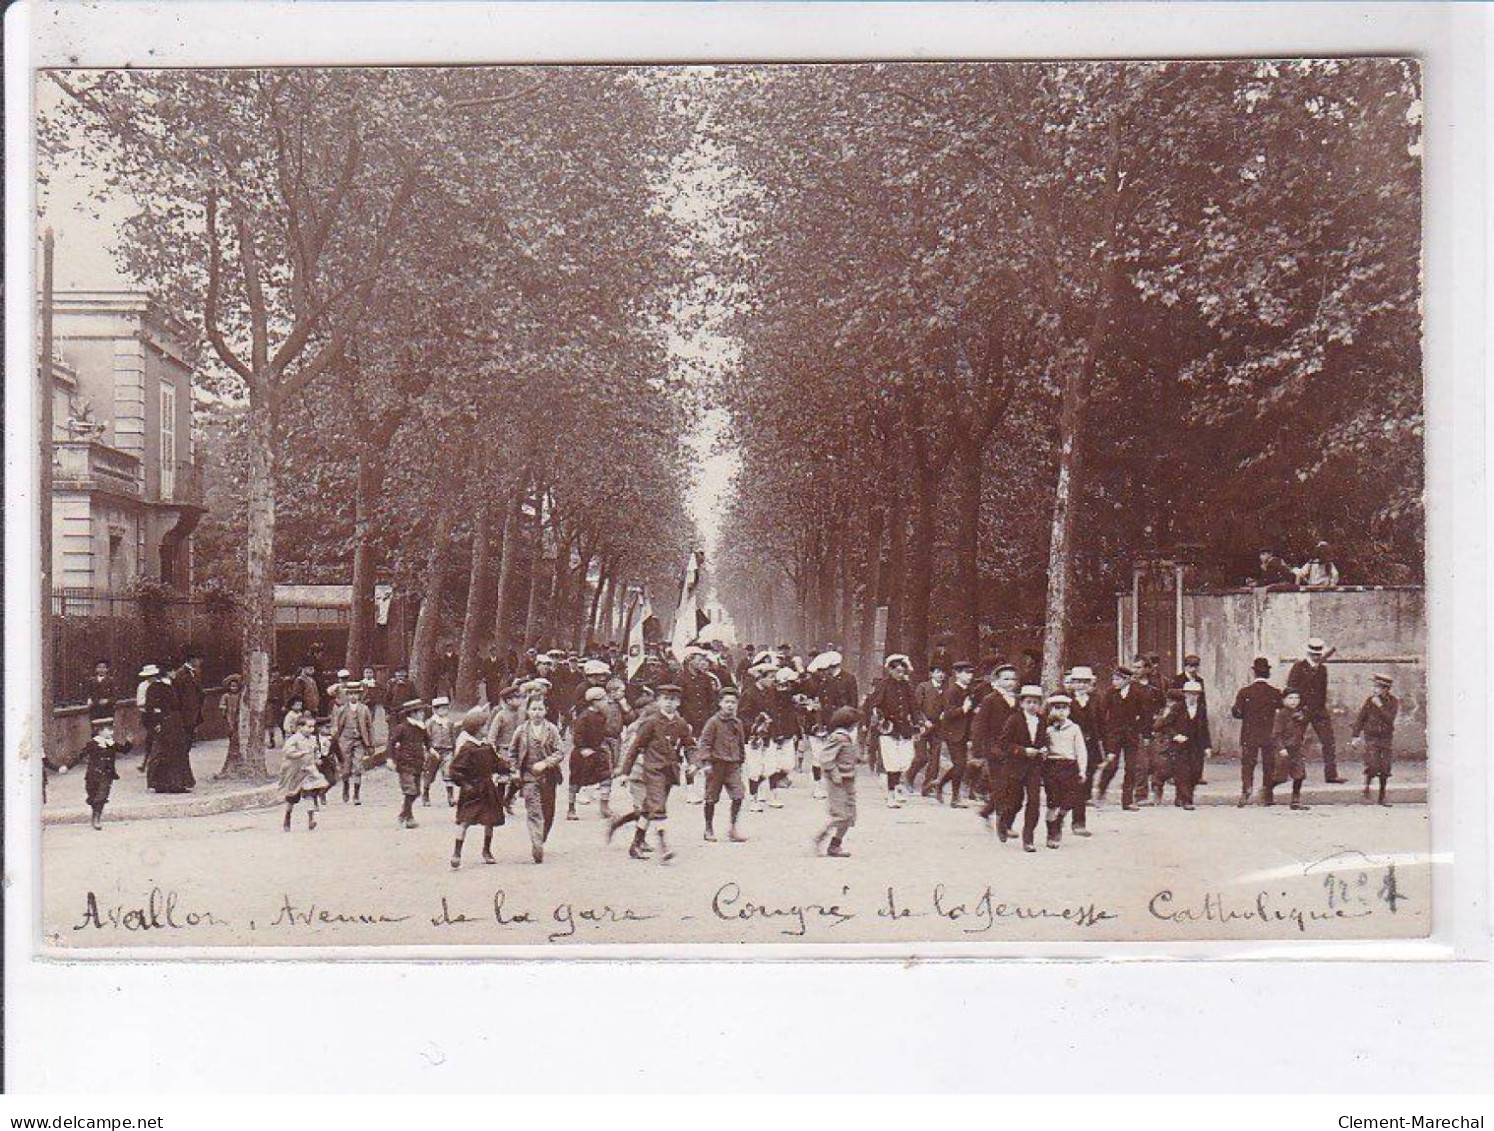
[(1373, 630)]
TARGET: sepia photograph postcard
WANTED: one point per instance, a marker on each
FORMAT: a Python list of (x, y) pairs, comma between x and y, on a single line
[(780, 547), (803, 504)]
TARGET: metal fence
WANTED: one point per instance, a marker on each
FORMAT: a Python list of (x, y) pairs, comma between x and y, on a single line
[(89, 625)]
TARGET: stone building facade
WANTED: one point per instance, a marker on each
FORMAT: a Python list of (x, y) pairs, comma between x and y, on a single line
[(127, 487)]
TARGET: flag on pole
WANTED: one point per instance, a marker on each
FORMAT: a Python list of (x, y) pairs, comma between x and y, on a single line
[(686, 625), (638, 613)]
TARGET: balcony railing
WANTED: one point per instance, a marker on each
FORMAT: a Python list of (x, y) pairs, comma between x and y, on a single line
[(88, 465), (188, 488)]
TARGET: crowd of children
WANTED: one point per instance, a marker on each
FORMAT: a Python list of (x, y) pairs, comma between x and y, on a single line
[(1048, 758)]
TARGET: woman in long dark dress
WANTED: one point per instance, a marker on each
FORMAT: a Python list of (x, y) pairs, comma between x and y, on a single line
[(473, 770), (171, 763)]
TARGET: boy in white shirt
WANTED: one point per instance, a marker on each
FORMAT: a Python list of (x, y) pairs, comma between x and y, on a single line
[(1063, 777)]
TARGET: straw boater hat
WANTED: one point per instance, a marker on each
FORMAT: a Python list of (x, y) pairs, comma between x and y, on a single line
[(1316, 646), (410, 705), (596, 667), (1057, 699), (1383, 677), (149, 670), (1031, 691), (440, 701), (1082, 672), (344, 674), (898, 658)]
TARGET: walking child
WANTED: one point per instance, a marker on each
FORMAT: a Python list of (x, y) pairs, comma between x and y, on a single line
[(475, 767), (721, 751), (408, 746), (299, 777), (838, 765), (1084, 713), (1024, 741), (658, 744), (1288, 735), (535, 751), (898, 719), (952, 728), (1063, 780), (1374, 730), (351, 740), (1185, 725), (441, 728), (502, 727), (99, 755), (589, 761), (753, 708)]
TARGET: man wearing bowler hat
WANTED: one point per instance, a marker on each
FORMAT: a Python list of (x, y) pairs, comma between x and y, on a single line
[(1255, 706)]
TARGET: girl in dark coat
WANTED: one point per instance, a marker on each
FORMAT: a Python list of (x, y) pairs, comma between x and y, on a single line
[(474, 767), (99, 757), (408, 744)]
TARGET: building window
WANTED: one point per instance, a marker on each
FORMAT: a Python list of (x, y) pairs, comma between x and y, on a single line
[(168, 440)]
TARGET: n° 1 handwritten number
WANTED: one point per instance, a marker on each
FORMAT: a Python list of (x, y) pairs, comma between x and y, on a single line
[(1390, 894)]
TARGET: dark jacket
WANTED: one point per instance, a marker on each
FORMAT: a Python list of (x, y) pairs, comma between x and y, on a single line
[(1120, 715), (1377, 720), (1015, 739), (896, 708), (833, 692), (960, 705), (1183, 677), (721, 740), (1289, 729), (1151, 703), (930, 700), (699, 696), (658, 743), (189, 695), (589, 732), (408, 743), (160, 700), (1194, 730), (399, 691), (1312, 682), (785, 721), (1087, 717), (989, 724), (1255, 706), (100, 696)]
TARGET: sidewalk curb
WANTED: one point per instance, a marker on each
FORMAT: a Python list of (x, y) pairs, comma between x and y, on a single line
[(1325, 796), (260, 797)]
